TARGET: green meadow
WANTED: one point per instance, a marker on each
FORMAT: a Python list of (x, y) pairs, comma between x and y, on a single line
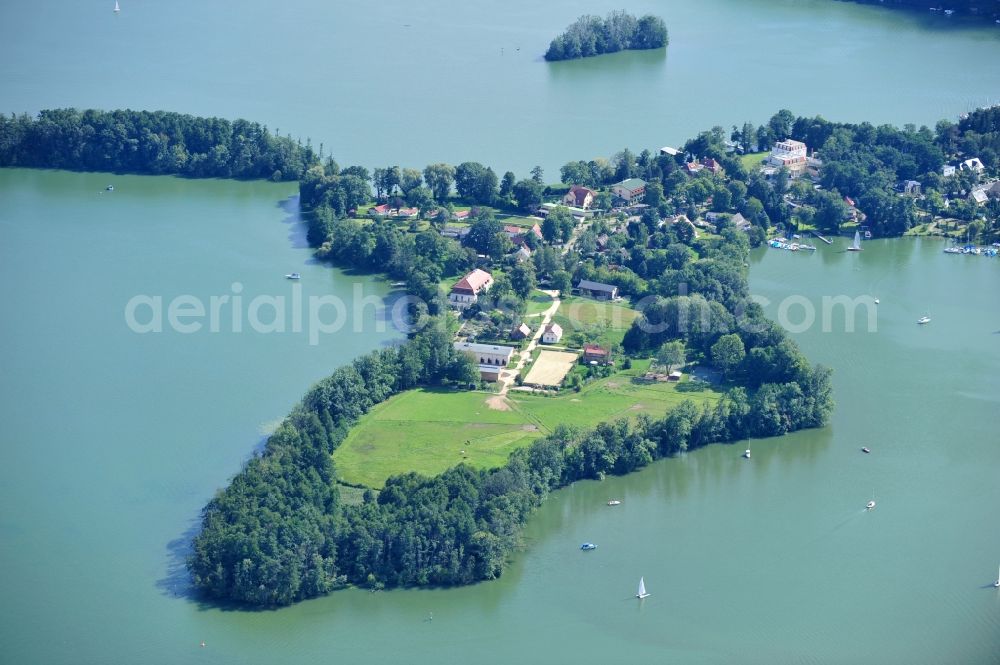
[(429, 431)]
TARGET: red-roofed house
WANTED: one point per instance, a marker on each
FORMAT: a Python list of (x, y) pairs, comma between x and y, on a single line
[(579, 196), (712, 166), (379, 210), (466, 291), (461, 214), (594, 353)]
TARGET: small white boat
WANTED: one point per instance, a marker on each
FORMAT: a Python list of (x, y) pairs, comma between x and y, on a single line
[(588, 546), (876, 301), (924, 319), (614, 502), (866, 449), (641, 593), (871, 504), (996, 585), (109, 188), (293, 275), (856, 245), (117, 8)]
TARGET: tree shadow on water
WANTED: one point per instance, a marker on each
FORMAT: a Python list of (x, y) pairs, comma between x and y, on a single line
[(176, 582), (297, 229)]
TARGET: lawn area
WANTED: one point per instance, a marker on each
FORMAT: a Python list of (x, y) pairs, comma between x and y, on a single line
[(538, 303), (427, 430), (751, 161), (605, 322), (514, 220)]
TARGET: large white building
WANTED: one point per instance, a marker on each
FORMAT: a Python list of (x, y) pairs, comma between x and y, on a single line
[(792, 155), (492, 358)]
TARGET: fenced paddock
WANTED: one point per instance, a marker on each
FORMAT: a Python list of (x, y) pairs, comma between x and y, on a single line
[(550, 368)]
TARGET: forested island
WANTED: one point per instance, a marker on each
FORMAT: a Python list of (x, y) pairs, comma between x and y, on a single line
[(280, 531), (620, 31)]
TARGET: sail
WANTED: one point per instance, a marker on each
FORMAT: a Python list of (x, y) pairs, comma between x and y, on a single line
[(641, 593), (857, 240), (117, 8)]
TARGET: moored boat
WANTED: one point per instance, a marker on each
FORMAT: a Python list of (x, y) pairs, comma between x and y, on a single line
[(588, 546), (293, 275)]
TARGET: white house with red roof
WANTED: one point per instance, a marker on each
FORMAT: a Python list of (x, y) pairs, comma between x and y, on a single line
[(465, 293), (553, 333)]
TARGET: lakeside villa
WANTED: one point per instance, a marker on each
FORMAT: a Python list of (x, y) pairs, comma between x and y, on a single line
[(789, 154), (631, 191), (492, 358), (465, 292)]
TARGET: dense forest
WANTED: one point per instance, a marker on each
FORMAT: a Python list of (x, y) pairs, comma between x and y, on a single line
[(620, 31), (154, 143)]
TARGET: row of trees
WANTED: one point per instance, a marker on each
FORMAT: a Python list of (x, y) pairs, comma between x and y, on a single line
[(592, 35), (156, 143)]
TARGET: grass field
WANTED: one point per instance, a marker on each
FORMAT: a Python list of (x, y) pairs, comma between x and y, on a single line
[(599, 321), (538, 303), (428, 430), (752, 161)]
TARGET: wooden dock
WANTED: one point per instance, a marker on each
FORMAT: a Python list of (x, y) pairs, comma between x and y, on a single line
[(828, 242)]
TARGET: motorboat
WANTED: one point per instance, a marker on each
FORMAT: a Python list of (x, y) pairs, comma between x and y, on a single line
[(924, 319), (293, 275), (588, 546), (109, 188), (866, 449), (614, 502)]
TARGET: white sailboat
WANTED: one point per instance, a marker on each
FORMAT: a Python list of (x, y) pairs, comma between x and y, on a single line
[(856, 245), (747, 452), (641, 593), (996, 585), (117, 8)]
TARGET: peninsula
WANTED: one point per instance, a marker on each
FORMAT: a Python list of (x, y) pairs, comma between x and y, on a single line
[(642, 259)]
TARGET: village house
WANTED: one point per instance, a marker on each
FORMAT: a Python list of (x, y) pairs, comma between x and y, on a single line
[(973, 165), (385, 210), (520, 331), (741, 222), (789, 154), (553, 333), (910, 187), (631, 191), (693, 168), (983, 193), (522, 254), (465, 293), (948, 170), (452, 231), (670, 151), (712, 166), (490, 357), (579, 197), (596, 354), (597, 290), (460, 215)]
